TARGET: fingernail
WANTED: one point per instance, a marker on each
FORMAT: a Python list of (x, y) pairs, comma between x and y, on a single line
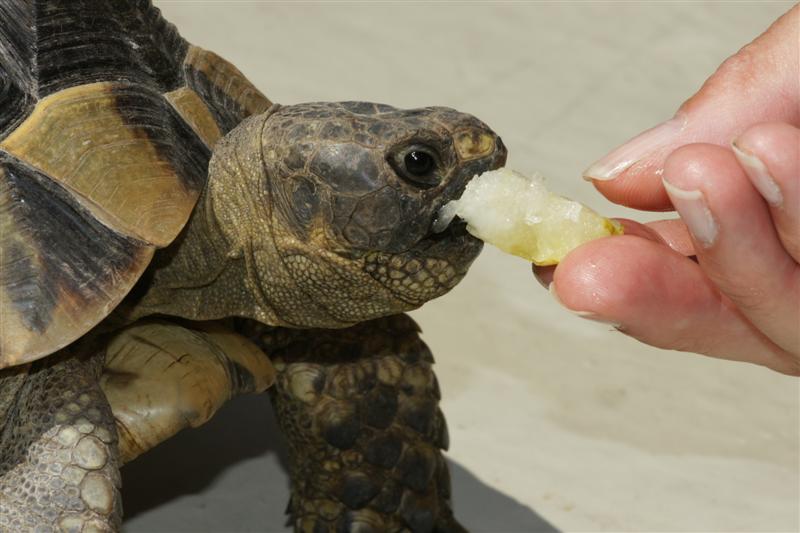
[(694, 211), (588, 315), (634, 150), (759, 175)]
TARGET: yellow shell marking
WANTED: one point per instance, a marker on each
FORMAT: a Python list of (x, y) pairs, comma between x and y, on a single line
[(78, 137), (196, 113)]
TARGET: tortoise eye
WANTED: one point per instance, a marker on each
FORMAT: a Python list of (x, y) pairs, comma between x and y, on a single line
[(418, 165)]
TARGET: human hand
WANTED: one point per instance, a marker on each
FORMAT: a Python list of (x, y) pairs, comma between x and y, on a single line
[(729, 163)]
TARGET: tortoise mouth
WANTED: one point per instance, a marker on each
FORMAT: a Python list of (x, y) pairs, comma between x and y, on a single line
[(454, 241), (430, 268)]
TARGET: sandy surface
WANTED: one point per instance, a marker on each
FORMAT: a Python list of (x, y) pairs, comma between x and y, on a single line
[(556, 423)]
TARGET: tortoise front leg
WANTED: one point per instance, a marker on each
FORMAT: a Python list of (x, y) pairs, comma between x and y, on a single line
[(58, 448), (359, 408), (162, 377)]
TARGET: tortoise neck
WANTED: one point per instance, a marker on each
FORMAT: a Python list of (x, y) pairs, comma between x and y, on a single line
[(206, 273), (195, 277), (239, 257)]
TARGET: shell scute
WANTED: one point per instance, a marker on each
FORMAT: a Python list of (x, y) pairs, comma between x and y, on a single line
[(228, 93), (122, 151), (48, 46), (61, 270), (107, 121)]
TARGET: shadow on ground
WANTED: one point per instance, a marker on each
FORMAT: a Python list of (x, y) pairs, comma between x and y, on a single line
[(230, 475)]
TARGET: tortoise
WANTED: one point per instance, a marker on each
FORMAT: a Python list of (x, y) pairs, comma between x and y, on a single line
[(171, 238)]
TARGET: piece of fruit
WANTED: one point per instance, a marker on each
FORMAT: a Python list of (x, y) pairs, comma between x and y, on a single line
[(520, 216)]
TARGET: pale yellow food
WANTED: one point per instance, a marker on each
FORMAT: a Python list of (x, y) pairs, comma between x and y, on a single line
[(520, 216)]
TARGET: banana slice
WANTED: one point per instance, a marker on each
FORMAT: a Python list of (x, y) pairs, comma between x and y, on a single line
[(517, 214)]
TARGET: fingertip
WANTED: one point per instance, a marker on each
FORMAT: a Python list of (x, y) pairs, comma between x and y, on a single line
[(741, 248), (746, 89), (765, 137), (636, 151), (545, 274), (589, 279), (690, 165), (637, 189), (770, 155), (632, 281)]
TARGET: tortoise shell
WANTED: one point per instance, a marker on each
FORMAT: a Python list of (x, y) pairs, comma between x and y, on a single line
[(107, 121)]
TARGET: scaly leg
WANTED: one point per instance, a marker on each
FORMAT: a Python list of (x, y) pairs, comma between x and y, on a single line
[(58, 448), (360, 410)]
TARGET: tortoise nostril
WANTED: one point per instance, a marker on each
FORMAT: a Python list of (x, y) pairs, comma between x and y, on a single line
[(500, 154)]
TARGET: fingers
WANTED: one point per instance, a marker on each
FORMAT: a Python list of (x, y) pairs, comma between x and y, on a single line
[(770, 155), (661, 298), (740, 217), (735, 240), (758, 84)]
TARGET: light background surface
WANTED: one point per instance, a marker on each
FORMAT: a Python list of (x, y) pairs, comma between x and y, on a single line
[(555, 423)]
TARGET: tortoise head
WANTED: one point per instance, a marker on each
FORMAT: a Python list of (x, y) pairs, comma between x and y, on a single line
[(350, 192)]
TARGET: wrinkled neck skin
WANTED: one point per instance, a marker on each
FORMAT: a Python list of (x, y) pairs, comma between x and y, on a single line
[(237, 258)]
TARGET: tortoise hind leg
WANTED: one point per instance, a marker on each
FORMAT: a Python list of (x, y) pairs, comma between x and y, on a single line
[(58, 451), (360, 410)]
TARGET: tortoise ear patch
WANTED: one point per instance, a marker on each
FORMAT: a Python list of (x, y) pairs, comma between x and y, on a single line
[(122, 151), (61, 270)]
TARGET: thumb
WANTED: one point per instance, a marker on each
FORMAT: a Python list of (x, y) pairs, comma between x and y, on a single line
[(760, 83)]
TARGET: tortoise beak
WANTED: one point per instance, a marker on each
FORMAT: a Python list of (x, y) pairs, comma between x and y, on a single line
[(500, 154)]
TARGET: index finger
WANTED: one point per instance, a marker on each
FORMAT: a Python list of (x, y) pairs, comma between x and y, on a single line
[(758, 84)]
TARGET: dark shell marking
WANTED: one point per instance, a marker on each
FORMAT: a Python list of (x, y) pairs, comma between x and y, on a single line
[(49, 46), (226, 91), (45, 229)]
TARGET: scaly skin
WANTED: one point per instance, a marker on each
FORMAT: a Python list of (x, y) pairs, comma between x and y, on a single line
[(359, 408), (59, 468)]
